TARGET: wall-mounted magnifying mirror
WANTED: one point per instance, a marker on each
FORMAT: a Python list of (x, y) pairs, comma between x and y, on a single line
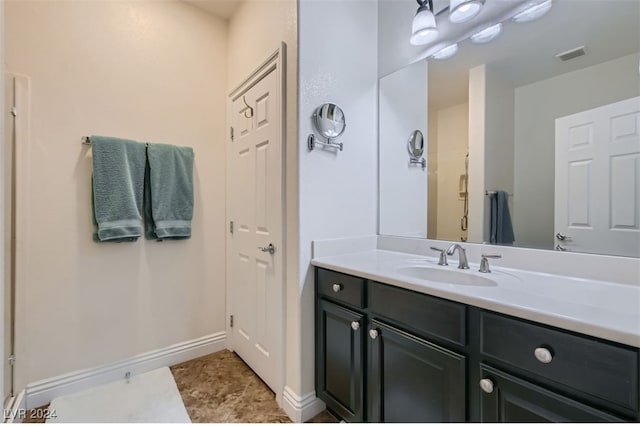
[(415, 147), (328, 120)]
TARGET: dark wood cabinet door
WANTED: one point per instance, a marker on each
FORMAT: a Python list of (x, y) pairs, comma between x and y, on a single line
[(513, 400), (412, 380), (340, 360)]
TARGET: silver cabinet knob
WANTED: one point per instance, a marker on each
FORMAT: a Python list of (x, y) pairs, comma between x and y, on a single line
[(268, 249), (373, 333), (336, 288), (355, 325), (543, 355), (486, 385)]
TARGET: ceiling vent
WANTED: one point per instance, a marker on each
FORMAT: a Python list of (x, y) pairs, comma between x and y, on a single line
[(570, 54)]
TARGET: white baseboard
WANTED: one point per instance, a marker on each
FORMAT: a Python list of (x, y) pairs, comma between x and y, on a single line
[(16, 408), (300, 409), (43, 391)]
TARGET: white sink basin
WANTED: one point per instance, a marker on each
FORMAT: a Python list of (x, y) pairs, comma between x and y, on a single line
[(446, 276)]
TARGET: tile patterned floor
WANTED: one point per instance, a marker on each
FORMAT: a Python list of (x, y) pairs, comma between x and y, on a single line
[(221, 388)]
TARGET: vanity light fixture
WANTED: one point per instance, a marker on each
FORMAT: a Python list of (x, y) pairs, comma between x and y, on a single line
[(446, 52), (423, 28), (488, 34), (535, 11), (464, 10)]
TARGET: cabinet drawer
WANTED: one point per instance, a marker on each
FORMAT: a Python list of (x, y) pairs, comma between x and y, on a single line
[(426, 315), (341, 287), (592, 368)]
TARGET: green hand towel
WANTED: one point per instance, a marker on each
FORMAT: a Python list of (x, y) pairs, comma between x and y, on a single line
[(168, 192), (118, 179)]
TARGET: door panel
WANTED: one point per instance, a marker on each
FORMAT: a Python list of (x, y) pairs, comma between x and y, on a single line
[(516, 401), (340, 359), (412, 380)]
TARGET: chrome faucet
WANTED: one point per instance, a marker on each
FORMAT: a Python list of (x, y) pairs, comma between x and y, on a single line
[(462, 255)]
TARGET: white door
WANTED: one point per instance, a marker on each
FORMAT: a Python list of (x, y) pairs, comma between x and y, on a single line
[(255, 206), (597, 203)]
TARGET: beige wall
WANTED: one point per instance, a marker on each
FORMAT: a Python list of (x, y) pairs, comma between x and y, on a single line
[(452, 147), (255, 31), (146, 70), (432, 178), (477, 126)]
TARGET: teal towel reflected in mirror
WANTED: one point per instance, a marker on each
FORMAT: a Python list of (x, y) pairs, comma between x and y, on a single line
[(501, 229)]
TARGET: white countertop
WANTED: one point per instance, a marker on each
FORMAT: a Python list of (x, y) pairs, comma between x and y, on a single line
[(597, 308)]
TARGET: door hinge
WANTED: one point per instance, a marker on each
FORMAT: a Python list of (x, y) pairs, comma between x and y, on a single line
[(231, 321), (14, 111), (12, 359), (231, 130), (231, 227)]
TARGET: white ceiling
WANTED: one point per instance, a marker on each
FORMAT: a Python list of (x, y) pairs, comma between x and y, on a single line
[(525, 52), (221, 8)]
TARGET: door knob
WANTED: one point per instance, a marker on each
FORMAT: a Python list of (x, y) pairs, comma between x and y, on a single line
[(560, 247), (486, 385), (268, 249), (561, 237)]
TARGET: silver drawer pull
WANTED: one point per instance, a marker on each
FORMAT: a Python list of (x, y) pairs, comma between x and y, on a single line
[(543, 355), (336, 287), (355, 325), (373, 333), (486, 385)]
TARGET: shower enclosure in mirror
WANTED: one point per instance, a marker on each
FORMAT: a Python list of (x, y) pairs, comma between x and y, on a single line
[(547, 114)]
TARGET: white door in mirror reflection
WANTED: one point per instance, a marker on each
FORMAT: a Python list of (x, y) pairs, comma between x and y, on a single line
[(597, 180)]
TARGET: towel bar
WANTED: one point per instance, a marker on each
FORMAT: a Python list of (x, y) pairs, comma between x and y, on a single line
[(494, 192)]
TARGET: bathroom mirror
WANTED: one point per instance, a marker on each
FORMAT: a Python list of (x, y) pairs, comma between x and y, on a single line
[(415, 145), (491, 113), (329, 122)]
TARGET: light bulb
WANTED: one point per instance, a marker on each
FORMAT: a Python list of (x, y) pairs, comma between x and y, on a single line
[(446, 52), (423, 28), (534, 12), (463, 10), (488, 34)]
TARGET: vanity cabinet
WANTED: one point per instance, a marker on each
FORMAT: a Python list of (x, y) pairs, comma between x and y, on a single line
[(387, 354), (340, 345), (340, 355), (412, 380), (506, 398), (361, 335), (602, 374)]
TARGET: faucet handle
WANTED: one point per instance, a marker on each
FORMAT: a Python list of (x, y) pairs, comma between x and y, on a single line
[(484, 261), (443, 256)]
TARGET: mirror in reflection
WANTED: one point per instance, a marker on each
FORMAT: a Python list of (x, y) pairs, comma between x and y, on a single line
[(415, 144)]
